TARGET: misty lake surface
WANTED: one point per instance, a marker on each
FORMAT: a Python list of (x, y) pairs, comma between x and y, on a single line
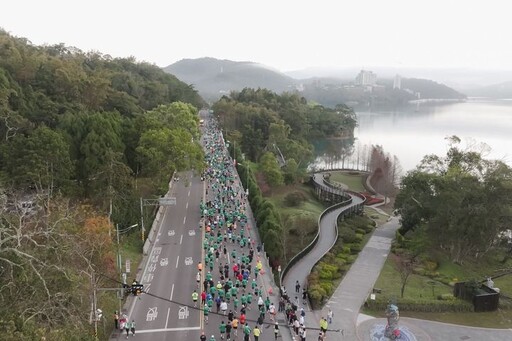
[(412, 132)]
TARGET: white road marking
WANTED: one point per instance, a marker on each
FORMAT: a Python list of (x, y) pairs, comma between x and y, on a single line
[(184, 219), (188, 192), (186, 206), (177, 260), (172, 292), (168, 311), (165, 330), (181, 239), (152, 314), (183, 313)]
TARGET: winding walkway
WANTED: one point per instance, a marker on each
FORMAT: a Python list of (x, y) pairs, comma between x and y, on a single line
[(358, 283), (327, 235)]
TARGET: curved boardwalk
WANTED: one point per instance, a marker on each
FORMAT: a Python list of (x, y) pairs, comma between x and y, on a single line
[(326, 239)]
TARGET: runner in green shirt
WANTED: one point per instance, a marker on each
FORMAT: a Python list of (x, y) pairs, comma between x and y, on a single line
[(222, 329), (206, 311)]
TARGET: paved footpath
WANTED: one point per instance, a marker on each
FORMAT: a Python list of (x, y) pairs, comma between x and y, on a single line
[(357, 285)]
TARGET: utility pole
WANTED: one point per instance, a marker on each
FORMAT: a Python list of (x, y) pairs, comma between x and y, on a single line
[(120, 268), (94, 305), (142, 220)]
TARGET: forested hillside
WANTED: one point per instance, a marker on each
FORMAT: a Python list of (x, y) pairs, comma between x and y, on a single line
[(214, 77), (275, 131), (82, 137)]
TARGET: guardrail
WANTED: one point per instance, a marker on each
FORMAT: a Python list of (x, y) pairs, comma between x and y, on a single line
[(310, 246)]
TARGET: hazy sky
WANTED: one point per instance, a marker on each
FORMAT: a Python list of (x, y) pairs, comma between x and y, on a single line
[(285, 34)]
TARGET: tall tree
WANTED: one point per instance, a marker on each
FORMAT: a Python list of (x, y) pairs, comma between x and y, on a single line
[(461, 200)]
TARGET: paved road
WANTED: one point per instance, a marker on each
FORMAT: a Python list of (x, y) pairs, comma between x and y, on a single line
[(171, 269), (170, 272)]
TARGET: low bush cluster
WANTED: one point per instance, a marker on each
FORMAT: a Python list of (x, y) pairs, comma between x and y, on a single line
[(323, 277), (445, 304)]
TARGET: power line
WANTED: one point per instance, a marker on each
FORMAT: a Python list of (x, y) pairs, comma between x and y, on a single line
[(213, 313)]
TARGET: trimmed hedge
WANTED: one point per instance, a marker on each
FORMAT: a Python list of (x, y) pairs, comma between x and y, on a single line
[(426, 306)]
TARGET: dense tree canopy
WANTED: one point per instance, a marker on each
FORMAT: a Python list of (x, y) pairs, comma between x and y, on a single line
[(462, 201), (76, 131), (263, 120)]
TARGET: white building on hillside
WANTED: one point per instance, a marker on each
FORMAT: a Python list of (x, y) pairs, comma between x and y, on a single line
[(397, 83), (365, 78)]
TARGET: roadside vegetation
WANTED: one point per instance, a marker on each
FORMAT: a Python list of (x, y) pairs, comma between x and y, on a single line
[(83, 136), (455, 214)]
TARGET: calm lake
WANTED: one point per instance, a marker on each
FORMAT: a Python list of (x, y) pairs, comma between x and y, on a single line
[(411, 132)]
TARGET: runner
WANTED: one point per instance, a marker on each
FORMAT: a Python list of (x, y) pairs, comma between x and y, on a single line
[(206, 311), (256, 332), (195, 296), (234, 324), (222, 330)]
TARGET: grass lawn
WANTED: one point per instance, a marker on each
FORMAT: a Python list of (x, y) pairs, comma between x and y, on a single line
[(423, 287), (353, 182), (375, 215), (300, 222)]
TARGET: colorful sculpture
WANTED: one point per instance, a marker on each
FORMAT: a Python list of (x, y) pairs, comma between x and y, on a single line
[(392, 332)]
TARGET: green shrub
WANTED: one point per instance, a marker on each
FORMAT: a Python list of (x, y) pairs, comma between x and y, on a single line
[(347, 235), (359, 238), (446, 297), (327, 287), (294, 199), (419, 271), (399, 238), (355, 249), (325, 275), (430, 265), (428, 306), (315, 296), (339, 262), (360, 231)]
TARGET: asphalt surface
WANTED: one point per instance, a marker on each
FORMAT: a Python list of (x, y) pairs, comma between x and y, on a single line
[(166, 310), (161, 313)]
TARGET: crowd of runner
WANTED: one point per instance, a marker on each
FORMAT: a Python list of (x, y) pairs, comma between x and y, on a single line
[(227, 277)]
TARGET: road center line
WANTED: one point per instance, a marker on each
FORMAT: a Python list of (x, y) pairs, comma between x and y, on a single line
[(186, 206), (172, 292), (181, 239), (168, 311), (184, 219), (164, 330), (177, 260)]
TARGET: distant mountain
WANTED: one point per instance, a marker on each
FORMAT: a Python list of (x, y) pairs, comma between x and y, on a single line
[(460, 79), (332, 91), (214, 77), (502, 90), (431, 89)]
